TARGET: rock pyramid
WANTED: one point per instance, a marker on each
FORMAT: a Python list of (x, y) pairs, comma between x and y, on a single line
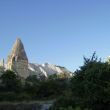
[(18, 51), (17, 59)]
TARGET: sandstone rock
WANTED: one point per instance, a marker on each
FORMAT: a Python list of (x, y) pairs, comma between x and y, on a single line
[(17, 60), (47, 69), (1, 62)]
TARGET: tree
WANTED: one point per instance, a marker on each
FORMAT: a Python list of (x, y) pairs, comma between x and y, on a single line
[(91, 85), (10, 81)]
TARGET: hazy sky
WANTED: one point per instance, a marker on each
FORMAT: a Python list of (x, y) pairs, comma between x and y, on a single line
[(56, 31)]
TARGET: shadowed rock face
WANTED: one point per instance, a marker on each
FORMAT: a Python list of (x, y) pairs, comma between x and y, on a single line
[(18, 52)]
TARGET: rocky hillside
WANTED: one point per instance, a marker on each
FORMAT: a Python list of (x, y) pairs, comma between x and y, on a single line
[(19, 63), (47, 69)]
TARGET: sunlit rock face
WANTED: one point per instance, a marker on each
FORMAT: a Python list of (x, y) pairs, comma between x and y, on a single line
[(108, 60), (17, 60), (1, 62), (46, 69)]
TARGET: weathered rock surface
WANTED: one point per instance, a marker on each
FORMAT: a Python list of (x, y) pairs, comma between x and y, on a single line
[(18, 62), (47, 69), (18, 51), (1, 62)]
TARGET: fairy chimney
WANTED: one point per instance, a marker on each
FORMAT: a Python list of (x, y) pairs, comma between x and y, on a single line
[(17, 60)]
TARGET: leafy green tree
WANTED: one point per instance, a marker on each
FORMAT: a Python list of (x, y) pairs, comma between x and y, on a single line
[(10, 81), (91, 85), (32, 79)]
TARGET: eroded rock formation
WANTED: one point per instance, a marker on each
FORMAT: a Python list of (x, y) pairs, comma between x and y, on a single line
[(17, 60)]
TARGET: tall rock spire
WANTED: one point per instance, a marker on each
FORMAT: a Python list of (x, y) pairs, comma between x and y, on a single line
[(17, 59), (18, 51)]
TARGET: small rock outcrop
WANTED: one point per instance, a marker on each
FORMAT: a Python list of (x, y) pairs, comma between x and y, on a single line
[(1, 62)]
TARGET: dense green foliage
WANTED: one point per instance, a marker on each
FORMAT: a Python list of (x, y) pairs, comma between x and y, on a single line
[(12, 88), (91, 85), (10, 82), (88, 89)]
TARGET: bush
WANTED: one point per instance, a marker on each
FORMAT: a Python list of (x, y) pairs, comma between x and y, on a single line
[(91, 85), (8, 96), (23, 96), (10, 82)]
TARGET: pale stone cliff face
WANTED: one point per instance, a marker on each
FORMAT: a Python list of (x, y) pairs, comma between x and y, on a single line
[(47, 69), (17, 60)]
